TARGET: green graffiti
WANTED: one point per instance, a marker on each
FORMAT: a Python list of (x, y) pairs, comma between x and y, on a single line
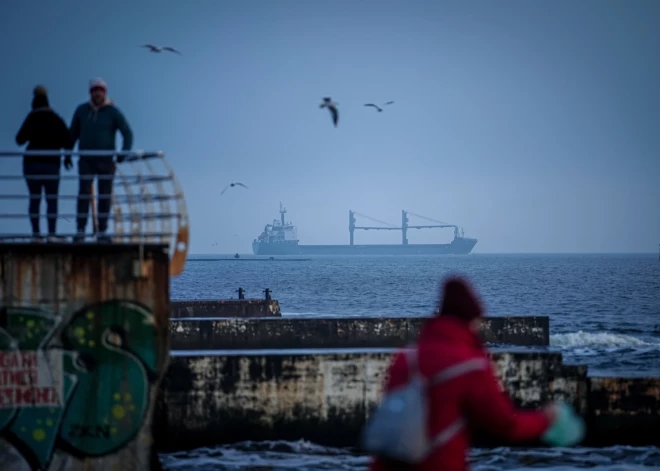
[(118, 343), (89, 396)]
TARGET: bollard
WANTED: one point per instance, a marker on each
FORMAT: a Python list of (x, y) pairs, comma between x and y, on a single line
[(267, 291)]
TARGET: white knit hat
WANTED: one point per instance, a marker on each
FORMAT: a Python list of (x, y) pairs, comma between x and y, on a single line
[(97, 82)]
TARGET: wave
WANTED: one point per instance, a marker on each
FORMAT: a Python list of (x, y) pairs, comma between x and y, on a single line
[(305, 456), (583, 339)]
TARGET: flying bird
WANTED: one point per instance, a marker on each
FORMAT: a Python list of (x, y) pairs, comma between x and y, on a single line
[(328, 103), (378, 107), (158, 49), (171, 49), (231, 185)]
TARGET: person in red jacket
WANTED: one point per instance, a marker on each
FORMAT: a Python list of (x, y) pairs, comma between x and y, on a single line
[(471, 396)]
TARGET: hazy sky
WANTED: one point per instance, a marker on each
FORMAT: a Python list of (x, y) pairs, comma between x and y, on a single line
[(533, 125)]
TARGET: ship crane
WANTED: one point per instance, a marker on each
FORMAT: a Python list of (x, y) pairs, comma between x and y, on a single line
[(352, 226), (437, 225), (391, 227)]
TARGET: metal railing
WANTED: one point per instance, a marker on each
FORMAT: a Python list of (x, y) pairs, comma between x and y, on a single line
[(147, 202)]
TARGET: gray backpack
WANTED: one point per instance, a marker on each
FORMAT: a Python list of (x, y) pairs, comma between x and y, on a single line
[(398, 427)]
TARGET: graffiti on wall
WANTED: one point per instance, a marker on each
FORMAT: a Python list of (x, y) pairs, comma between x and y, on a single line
[(79, 384)]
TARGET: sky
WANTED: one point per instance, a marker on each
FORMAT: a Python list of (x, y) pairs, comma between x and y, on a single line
[(533, 125)]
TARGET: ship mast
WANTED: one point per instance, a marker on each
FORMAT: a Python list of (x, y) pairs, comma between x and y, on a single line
[(282, 211)]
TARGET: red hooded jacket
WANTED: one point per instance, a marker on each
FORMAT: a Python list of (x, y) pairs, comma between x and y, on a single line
[(474, 395)]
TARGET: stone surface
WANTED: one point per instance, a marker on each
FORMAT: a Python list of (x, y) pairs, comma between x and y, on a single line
[(225, 308), (337, 332), (323, 396)]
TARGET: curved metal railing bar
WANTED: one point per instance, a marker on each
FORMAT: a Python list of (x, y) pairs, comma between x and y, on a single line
[(182, 242), (135, 221), (118, 236), (164, 204), (141, 211), (145, 195)]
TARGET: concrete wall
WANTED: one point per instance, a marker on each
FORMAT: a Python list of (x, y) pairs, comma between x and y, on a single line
[(323, 396), (370, 332), (84, 340), (226, 308), (629, 406)]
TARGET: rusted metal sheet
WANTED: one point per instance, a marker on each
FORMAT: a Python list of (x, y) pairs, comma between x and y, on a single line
[(226, 308), (84, 342), (336, 332), (324, 397)]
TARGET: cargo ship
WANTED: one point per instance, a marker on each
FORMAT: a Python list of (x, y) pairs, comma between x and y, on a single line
[(281, 238)]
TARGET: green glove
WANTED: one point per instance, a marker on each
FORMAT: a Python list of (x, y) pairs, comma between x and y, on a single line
[(567, 429)]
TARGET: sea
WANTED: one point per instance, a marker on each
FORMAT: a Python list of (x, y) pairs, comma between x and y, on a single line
[(604, 313)]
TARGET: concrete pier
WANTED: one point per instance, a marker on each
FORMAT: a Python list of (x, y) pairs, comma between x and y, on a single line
[(337, 332), (323, 396), (326, 396), (226, 308)]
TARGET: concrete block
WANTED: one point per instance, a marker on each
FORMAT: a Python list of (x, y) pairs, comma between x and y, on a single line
[(624, 410), (225, 308), (324, 396), (337, 332)]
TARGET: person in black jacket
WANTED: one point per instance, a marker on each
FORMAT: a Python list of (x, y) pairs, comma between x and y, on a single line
[(45, 130)]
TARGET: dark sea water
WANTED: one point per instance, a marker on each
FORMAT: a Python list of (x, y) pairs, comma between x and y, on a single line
[(604, 312)]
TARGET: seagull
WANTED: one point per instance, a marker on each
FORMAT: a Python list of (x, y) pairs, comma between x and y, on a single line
[(378, 107), (171, 49), (233, 184), (327, 103), (158, 49)]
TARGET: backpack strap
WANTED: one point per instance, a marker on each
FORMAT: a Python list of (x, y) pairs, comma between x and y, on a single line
[(412, 359), (411, 354), (460, 369)]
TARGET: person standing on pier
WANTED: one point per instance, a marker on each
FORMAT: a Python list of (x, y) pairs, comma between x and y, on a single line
[(44, 129), (95, 124), (465, 393)]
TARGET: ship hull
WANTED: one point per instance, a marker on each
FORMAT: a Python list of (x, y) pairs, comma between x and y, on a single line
[(459, 246)]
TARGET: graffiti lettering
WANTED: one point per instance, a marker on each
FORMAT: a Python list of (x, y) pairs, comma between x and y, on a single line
[(25, 380), (84, 386), (18, 360), (28, 397)]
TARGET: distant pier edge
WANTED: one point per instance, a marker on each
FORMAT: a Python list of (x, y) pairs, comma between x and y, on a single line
[(280, 238)]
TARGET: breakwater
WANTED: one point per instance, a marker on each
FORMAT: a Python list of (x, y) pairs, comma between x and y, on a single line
[(337, 332), (326, 396), (240, 259), (317, 378), (227, 307)]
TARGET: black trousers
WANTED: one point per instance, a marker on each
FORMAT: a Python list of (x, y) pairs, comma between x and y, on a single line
[(104, 169), (43, 177)]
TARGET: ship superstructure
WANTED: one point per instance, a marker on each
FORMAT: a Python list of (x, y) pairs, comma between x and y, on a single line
[(280, 235)]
